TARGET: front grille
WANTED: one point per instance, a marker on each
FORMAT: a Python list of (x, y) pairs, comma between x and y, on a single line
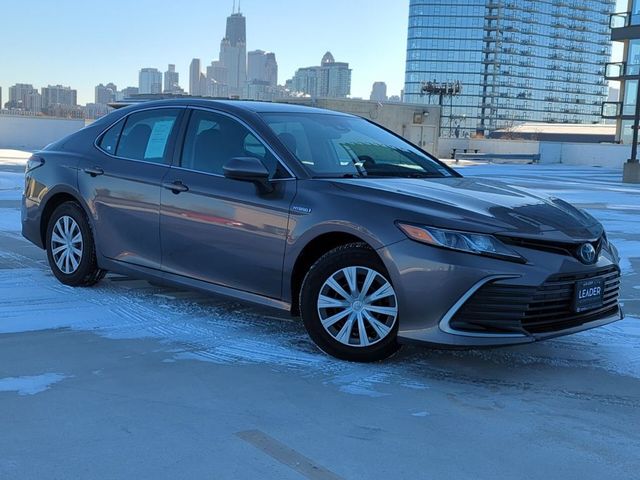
[(562, 248), (496, 308)]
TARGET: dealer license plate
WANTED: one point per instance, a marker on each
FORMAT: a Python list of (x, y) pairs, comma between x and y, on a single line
[(588, 294)]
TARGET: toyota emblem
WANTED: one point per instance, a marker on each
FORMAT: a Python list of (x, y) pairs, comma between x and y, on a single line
[(587, 253)]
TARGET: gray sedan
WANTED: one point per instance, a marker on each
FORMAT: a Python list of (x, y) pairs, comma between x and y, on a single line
[(372, 241)]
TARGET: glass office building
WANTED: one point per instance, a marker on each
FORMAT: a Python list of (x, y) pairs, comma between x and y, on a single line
[(516, 61), (625, 28)]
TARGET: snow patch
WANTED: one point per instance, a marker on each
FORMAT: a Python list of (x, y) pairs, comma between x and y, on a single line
[(30, 385), (420, 414)]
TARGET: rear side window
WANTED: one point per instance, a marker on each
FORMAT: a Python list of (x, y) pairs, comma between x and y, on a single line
[(147, 135), (109, 141)]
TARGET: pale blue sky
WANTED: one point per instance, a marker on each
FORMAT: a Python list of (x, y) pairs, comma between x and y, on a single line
[(82, 43)]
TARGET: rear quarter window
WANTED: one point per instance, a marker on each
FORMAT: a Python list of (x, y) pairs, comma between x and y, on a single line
[(109, 141)]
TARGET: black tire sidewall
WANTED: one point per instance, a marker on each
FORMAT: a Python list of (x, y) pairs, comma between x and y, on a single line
[(346, 256), (87, 272)]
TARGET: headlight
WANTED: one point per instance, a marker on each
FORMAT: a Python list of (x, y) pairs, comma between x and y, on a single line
[(477, 243)]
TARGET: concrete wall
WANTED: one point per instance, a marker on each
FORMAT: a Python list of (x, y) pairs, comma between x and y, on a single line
[(608, 155), (397, 117), (33, 133)]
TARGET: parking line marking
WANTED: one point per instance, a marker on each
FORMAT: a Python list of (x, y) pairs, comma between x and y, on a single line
[(287, 455)]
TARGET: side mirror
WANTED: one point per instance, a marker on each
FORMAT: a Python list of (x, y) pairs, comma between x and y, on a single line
[(248, 169)]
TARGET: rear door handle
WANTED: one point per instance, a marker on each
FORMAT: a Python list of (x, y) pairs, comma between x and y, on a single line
[(176, 187), (94, 172)]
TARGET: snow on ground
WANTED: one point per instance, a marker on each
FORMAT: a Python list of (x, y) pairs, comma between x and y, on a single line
[(30, 385), (129, 396), (11, 185), (9, 220), (222, 331)]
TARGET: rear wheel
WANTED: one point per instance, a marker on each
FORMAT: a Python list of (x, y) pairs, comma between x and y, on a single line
[(349, 306), (70, 247)]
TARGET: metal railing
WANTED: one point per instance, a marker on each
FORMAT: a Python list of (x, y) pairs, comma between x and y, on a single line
[(620, 19), (611, 109), (614, 70)]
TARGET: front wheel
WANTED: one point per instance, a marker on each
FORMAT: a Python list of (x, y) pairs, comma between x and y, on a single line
[(70, 247), (349, 306)]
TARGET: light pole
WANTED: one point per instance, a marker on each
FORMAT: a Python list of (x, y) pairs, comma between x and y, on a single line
[(447, 89)]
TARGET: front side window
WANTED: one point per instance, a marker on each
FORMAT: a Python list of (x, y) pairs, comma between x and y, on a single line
[(146, 135), (342, 146), (212, 139)]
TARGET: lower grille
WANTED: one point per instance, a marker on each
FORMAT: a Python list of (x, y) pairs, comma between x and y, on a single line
[(496, 308)]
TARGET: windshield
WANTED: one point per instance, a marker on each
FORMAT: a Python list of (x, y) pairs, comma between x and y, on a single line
[(341, 146)]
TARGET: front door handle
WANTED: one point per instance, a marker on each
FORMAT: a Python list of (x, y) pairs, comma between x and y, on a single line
[(94, 172), (176, 187)]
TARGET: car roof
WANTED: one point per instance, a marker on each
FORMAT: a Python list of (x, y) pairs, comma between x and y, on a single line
[(253, 106)]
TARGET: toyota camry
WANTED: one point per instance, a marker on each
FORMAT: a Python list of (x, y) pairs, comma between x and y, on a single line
[(372, 241)]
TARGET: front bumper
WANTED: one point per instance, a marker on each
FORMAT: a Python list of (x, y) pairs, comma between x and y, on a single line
[(433, 285)]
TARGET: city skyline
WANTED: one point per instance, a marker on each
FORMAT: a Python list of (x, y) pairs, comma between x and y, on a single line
[(372, 57)]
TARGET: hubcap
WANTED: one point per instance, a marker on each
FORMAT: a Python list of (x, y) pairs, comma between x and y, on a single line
[(66, 245), (357, 306)]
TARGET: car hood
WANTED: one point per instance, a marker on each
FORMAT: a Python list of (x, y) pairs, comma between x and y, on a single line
[(479, 205)]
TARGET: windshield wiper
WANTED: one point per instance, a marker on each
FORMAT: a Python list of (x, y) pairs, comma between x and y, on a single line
[(382, 175), (341, 175), (403, 175)]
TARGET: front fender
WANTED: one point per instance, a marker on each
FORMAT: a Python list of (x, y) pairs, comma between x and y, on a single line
[(301, 235)]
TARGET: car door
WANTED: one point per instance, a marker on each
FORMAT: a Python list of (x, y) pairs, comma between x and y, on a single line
[(121, 183), (219, 230)]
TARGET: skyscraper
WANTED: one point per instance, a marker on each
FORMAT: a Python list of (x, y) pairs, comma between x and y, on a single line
[(33, 102), (218, 72), (379, 92), (18, 94), (126, 93), (330, 79), (59, 95), (338, 81), (105, 94), (171, 80), (271, 67), (622, 108), (197, 80), (233, 52), (514, 61), (256, 65), (263, 67), (217, 75), (150, 81)]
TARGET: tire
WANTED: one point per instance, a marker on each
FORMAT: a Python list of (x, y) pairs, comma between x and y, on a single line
[(348, 265), (69, 221)]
